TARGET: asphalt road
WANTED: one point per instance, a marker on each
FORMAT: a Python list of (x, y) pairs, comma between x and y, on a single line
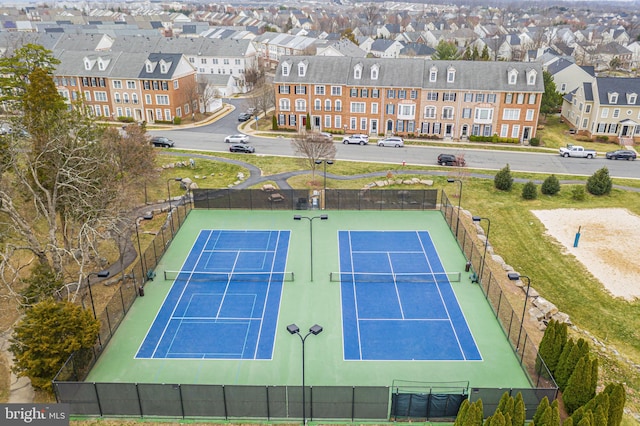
[(211, 138)]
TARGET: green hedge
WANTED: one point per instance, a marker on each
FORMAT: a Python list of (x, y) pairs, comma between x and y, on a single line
[(493, 139)]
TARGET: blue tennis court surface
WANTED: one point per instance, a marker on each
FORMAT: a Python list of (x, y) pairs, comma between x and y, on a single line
[(397, 300), (224, 302)]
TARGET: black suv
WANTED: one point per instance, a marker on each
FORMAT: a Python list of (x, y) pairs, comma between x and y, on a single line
[(161, 141), (451, 160)]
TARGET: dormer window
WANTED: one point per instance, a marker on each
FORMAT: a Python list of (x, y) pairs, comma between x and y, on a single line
[(102, 64), (285, 69), (357, 72), (149, 67), (531, 77), (87, 64), (512, 76), (451, 75), (163, 68), (613, 97), (433, 74), (632, 98), (374, 72)]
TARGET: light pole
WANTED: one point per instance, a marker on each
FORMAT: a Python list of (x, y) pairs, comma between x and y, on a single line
[(450, 180), (101, 274), (514, 276), (315, 330), (310, 219), (147, 216), (178, 179), (324, 186), (486, 243)]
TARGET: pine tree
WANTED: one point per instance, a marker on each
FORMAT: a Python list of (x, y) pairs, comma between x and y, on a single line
[(617, 399), (568, 422), (529, 191), (503, 180), (600, 416), (462, 413), (519, 411), (503, 403), (600, 183), (542, 406), (547, 345), (577, 393), (545, 418), (555, 413), (563, 371), (550, 186), (594, 378)]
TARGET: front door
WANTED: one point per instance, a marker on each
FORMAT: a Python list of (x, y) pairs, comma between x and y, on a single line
[(526, 133), (374, 127)]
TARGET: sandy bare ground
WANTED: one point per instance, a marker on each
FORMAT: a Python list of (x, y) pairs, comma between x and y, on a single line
[(608, 244)]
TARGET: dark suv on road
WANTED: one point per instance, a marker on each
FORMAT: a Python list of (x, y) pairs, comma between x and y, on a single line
[(451, 160), (162, 142)]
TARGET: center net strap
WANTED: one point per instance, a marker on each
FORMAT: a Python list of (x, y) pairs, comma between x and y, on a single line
[(228, 276), (381, 277)]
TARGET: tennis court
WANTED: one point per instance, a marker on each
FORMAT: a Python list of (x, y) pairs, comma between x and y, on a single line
[(225, 299), (209, 327), (397, 299)]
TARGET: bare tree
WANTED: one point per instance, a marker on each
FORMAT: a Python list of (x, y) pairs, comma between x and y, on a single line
[(209, 93), (312, 147), (192, 95), (263, 99)]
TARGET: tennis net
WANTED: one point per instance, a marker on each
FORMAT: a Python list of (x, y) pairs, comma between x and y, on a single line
[(195, 276), (381, 277)]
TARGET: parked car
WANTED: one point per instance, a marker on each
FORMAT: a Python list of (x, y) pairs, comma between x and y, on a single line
[(327, 136), (239, 147), (621, 154), (451, 160), (395, 141), (237, 139), (357, 139), (162, 142), (576, 151), (245, 116)]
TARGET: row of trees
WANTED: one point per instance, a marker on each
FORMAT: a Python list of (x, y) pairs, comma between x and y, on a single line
[(67, 185)]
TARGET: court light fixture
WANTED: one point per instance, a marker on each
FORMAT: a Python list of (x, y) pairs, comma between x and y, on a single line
[(477, 219), (313, 330), (310, 219), (101, 274), (514, 276)]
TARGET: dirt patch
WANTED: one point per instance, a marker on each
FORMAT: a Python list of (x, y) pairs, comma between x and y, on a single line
[(606, 247)]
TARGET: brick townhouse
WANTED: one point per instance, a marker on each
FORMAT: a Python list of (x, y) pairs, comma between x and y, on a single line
[(145, 87), (441, 99)]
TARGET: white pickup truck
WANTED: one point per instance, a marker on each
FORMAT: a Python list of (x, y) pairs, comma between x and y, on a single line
[(577, 151)]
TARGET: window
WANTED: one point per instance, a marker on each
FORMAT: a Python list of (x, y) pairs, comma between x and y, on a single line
[(225, 61), (447, 113), (632, 98), (374, 73), (285, 105), (487, 130), (175, 84), (604, 113), (100, 96), (203, 60), (327, 105), (284, 90), (125, 97), (336, 90), (146, 85), (162, 99), (363, 124), (491, 98), (515, 131), (532, 98), (353, 124), (147, 99), (338, 106), (338, 120), (406, 110), (468, 97), (531, 78), (513, 75), (585, 122), (301, 90), (391, 108), (357, 73), (520, 99), (530, 114), (215, 62), (402, 94), (587, 108), (466, 112), (563, 87), (413, 94), (433, 74), (364, 93), (508, 98), (167, 114), (451, 75), (449, 97), (432, 96), (391, 93), (87, 96), (327, 121), (318, 90), (117, 84), (504, 130), (285, 68), (479, 97), (436, 128), (163, 68), (375, 93), (511, 114), (613, 98), (301, 105), (317, 104), (357, 107), (374, 108), (483, 114), (430, 112), (353, 93), (616, 113)]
